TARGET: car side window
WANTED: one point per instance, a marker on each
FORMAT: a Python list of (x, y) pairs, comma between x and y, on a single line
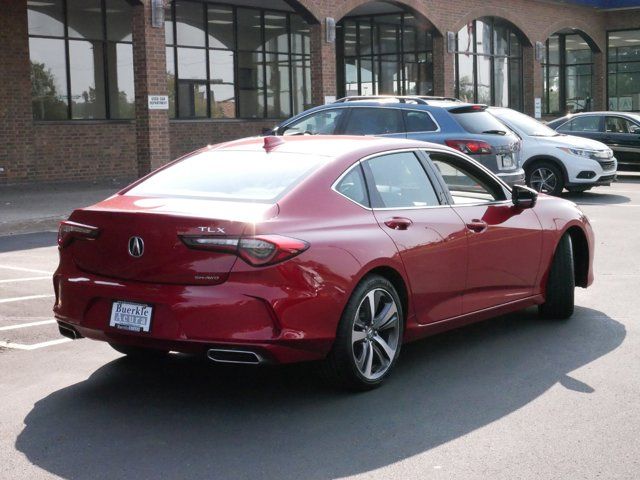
[(353, 187), (620, 125), (466, 183), (324, 122), (398, 180), (588, 123), (419, 121), (374, 121)]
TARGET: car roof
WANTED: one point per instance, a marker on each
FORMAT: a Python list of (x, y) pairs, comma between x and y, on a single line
[(330, 146)]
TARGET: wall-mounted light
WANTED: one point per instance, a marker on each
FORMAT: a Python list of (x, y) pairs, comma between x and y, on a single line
[(540, 51), (330, 28), (451, 42), (157, 13)]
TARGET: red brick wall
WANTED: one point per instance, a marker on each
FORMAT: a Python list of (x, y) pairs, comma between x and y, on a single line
[(187, 136), (16, 136), (35, 152), (85, 151)]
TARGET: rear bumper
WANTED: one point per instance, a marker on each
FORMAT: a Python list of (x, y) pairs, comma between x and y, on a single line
[(193, 319), (512, 178)]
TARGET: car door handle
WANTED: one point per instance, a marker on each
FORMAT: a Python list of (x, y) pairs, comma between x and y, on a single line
[(477, 226), (398, 223)]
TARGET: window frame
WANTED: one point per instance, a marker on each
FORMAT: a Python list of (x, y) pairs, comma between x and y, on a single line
[(398, 113), (339, 126), (375, 57), (616, 62), (562, 73), (305, 57), (422, 161), (104, 43), (516, 104), (478, 170)]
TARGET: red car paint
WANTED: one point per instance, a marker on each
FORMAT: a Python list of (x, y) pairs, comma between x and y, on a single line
[(457, 264)]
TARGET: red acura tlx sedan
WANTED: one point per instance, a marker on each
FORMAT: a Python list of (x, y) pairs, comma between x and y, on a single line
[(338, 249)]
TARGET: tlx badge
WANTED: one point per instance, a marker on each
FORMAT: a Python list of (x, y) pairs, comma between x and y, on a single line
[(211, 229)]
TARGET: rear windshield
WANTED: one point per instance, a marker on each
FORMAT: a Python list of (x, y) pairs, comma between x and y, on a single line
[(480, 122), (231, 175)]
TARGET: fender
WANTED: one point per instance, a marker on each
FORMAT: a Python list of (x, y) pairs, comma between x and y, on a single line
[(547, 158)]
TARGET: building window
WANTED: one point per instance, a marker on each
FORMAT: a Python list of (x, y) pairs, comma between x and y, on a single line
[(489, 63), (235, 62), (81, 59), (385, 54), (624, 70), (567, 70)]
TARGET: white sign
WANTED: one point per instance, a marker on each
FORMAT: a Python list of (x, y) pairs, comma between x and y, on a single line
[(158, 102), (329, 99), (538, 107)]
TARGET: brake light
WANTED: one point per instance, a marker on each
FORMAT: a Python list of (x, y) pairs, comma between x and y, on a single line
[(70, 230), (258, 251), (470, 147)]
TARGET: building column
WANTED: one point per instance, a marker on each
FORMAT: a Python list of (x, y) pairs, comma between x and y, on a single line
[(599, 79), (531, 79), (323, 65), (443, 68), (150, 77), (17, 162)]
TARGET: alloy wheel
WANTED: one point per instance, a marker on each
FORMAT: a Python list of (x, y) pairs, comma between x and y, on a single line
[(544, 180), (375, 336)]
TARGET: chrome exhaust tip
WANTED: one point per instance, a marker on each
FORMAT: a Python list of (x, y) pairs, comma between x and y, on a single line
[(244, 357), (69, 332)]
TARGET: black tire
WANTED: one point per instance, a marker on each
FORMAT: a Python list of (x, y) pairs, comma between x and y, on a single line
[(139, 353), (559, 295), (340, 368), (536, 171), (578, 189)]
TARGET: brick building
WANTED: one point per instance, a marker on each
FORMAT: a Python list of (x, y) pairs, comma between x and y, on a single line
[(76, 75)]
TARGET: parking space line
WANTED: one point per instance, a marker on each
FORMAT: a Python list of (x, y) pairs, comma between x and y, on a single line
[(30, 297), (26, 279), (22, 269), (25, 325), (20, 346)]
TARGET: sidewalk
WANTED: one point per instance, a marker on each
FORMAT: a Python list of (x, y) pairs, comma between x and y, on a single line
[(39, 208)]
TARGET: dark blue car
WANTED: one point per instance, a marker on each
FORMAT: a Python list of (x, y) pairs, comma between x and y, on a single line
[(468, 128)]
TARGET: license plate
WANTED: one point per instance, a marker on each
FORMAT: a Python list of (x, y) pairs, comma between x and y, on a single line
[(133, 317), (506, 161)]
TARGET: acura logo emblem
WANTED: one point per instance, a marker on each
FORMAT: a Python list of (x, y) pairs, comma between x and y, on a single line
[(136, 247)]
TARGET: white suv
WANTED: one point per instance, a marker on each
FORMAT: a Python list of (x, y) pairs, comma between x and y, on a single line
[(553, 161)]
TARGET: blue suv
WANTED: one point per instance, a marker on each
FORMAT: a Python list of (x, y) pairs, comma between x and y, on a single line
[(466, 127)]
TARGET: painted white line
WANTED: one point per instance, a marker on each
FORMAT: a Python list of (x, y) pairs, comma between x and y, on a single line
[(21, 269), (607, 205), (30, 297), (25, 325), (26, 279), (20, 346)]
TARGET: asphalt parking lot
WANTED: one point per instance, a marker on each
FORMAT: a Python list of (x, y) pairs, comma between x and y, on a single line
[(511, 398)]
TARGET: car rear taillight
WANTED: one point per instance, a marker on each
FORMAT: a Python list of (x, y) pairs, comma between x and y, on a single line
[(470, 147), (70, 230), (259, 250)]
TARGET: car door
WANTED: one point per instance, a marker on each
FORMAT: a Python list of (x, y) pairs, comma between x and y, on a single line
[(379, 121), (623, 136), (504, 242), (429, 235), (588, 126)]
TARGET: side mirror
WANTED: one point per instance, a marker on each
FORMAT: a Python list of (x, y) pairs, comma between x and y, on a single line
[(266, 132), (523, 197)]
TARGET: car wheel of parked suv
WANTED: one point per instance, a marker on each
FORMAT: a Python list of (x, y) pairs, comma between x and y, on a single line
[(369, 337), (545, 177), (559, 294), (139, 353)]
